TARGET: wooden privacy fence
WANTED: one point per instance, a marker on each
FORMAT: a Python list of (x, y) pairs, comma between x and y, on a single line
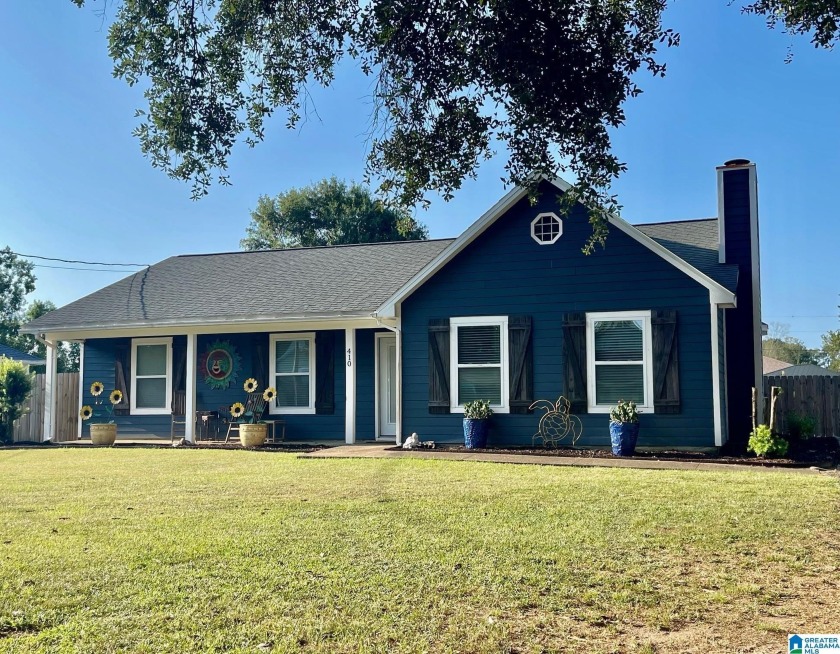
[(30, 427), (812, 395)]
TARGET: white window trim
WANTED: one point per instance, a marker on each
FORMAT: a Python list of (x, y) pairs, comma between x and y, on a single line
[(272, 371), (480, 321), (155, 411), (647, 363), (534, 222)]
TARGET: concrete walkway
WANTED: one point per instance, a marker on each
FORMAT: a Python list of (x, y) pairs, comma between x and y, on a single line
[(383, 452)]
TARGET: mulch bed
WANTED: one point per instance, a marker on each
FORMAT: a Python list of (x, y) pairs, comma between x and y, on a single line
[(819, 452)]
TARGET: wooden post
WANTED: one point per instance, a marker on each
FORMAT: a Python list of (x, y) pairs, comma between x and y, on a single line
[(774, 395)]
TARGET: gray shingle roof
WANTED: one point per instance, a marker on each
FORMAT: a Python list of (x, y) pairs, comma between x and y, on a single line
[(17, 355), (696, 243), (271, 284)]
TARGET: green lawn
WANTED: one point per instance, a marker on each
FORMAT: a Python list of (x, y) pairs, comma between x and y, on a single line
[(140, 550)]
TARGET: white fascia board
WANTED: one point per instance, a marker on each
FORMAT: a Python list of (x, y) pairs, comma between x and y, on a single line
[(285, 325), (721, 294)]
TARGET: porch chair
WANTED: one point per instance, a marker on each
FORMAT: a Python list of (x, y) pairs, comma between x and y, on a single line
[(179, 412), (254, 408)]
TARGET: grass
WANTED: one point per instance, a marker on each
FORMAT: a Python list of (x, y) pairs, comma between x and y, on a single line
[(115, 550)]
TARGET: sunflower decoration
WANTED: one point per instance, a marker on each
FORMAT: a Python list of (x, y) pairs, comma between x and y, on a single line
[(250, 385), (115, 396), (86, 412), (237, 410), (96, 388), (269, 394)]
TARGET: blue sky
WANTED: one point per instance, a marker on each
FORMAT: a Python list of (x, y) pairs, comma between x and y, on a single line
[(74, 185)]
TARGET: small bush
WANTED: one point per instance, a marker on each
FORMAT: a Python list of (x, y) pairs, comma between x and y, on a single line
[(15, 387), (800, 426), (624, 412), (478, 410), (764, 443)]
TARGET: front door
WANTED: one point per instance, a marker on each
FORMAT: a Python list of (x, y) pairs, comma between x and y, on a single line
[(386, 400)]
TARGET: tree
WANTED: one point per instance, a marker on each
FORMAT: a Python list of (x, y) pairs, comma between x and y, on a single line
[(543, 80), (68, 353), (16, 281), (831, 350), (788, 349), (327, 213)]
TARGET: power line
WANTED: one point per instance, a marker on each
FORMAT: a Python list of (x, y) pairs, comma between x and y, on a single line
[(87, 263), (42, 265)]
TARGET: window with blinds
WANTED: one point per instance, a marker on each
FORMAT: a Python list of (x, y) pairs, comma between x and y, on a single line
[(151, 375), (619, 359), (291, 369), (479, 356)]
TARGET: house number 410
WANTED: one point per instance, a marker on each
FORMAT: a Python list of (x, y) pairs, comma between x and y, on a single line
[(349, 358)]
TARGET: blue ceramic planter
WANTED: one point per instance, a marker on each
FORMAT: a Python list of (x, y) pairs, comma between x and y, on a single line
[(623, 436), (475, 432)]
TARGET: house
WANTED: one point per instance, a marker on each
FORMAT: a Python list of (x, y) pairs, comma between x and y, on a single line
[(21, 357), (377, 341), (774, 367)]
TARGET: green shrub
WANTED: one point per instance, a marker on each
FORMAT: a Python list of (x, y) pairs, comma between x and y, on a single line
[(15, 387), (478, 410), (624, 412), (764, 443), (800, 426)]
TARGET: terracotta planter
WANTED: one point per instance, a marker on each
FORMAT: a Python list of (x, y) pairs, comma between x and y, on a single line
[(253, 435), (103, 434)]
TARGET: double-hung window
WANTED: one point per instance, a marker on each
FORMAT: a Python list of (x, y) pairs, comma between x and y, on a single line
[(619, 359), (151, 375), (292, 372), (479, 361)]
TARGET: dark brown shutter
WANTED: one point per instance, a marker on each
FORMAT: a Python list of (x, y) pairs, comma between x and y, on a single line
[(439, 365), (666, 366), (259, 361), (122, 378), (574, 341), (521, 357), (179, 366), (325, 373)]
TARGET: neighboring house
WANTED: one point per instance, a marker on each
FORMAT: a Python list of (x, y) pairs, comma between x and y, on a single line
[(774, 367), (381, 340), (22, 357)]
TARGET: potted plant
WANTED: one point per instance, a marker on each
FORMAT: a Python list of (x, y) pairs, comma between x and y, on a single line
[(103, 429), (476, 423), (252, 431), (624, 428)]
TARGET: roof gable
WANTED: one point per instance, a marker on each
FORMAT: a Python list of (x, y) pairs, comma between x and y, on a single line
[(721, 294)]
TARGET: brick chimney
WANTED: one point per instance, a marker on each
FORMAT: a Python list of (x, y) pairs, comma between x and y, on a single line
[(738, 245)]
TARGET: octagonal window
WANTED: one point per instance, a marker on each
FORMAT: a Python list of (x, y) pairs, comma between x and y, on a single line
[(546, 228)]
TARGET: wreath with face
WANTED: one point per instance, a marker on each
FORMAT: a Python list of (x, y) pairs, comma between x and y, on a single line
[(220, 365)]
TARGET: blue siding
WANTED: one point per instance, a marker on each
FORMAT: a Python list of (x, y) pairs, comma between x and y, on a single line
[(504, 272), (99, 365), (366, 383)]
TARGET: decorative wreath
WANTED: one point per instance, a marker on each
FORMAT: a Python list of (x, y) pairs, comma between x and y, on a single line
[(220, 364)]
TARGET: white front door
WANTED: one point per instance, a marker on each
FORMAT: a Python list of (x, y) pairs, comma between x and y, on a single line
[(386, 396)]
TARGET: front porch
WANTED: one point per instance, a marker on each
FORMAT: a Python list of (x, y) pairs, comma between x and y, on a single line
[(333, 385)]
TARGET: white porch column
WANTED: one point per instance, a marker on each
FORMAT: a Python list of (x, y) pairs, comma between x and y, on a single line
[(189, 418), (350, 385), (81, 387), (399, 382), (50, 391)]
